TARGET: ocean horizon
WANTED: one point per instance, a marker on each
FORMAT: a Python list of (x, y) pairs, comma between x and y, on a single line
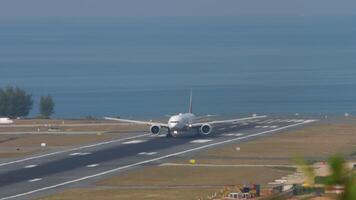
[(146, 67)]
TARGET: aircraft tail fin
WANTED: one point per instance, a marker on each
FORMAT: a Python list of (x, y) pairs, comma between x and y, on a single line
[(191, 102)]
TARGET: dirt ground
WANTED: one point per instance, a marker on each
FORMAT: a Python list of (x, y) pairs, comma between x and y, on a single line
[(315, 142), (24, 137), (132, 194), (21, 145), (194, 176), (79, 125)]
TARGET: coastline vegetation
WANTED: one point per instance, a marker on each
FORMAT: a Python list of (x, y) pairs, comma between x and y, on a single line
[(15, 102)]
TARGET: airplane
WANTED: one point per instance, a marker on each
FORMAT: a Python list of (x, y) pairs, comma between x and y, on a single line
[(6, 121), (184, 123)]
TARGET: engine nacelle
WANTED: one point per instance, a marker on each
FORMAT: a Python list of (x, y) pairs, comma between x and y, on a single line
[(205, 129), (155, 129)]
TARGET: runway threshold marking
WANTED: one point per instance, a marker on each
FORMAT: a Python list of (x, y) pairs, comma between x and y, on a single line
[(154, 160), (35, 180), (73, 149), (30, 166)]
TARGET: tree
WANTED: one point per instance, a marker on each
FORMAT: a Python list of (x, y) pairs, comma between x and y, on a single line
[(46, 106), (340, 175), (15, 102)]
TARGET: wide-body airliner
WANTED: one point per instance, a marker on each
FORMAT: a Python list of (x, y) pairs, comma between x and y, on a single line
[(184, 123)]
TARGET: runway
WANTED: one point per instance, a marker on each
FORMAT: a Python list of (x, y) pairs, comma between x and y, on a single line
[(44, 174)]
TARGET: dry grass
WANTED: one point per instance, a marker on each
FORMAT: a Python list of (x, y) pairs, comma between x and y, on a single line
[(32, 140), (21, 145), (16, 153), (13, 145), (33, 125), (193, 176), (59, 121), (315, 141), (320, 140), (149, 194)]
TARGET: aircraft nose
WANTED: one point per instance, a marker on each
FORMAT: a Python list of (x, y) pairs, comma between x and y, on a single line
[(172, 125)]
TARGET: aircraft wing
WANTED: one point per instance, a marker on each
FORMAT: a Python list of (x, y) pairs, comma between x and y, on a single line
[(137, 121), (204, 117), (227, 121)]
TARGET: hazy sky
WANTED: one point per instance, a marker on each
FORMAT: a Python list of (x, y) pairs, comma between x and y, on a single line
[(59, 9)]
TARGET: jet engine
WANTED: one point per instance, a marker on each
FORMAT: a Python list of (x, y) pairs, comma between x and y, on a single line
[(155, 129), (205, 129)]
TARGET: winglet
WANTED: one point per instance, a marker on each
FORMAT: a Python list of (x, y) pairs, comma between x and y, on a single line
[(191, 102)]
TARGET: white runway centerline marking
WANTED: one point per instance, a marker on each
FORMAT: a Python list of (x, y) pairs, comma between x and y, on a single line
[(200, 141), (73, 149), (159, 135), (134, 141), (221, 129), (153, 160), (30, 166), (92, 165), (35, 180), (147, 153)]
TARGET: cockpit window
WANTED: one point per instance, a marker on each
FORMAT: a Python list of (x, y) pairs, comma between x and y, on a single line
[(174, 122)]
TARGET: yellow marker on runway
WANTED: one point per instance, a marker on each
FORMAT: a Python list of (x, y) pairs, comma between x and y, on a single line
[(192, 161)]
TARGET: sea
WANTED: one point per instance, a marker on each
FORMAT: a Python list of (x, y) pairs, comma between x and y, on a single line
[(146, 67)]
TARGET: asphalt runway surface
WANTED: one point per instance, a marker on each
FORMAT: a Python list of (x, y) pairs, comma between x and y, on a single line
[(44, 174)]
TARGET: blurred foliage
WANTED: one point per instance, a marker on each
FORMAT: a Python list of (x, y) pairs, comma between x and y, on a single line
[(46, 106), (15, 102), (306, 168), (340, 176)]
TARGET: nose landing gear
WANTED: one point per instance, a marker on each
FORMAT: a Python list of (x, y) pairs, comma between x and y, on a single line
[(169, 134)]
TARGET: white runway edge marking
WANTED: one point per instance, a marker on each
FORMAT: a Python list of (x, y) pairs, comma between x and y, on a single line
[(134, 142), (35, 180), (200, 141), (73, 149), (80, 154), (154, 160), (92, 165), (266, 126), (233, 134), (30, 166)]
